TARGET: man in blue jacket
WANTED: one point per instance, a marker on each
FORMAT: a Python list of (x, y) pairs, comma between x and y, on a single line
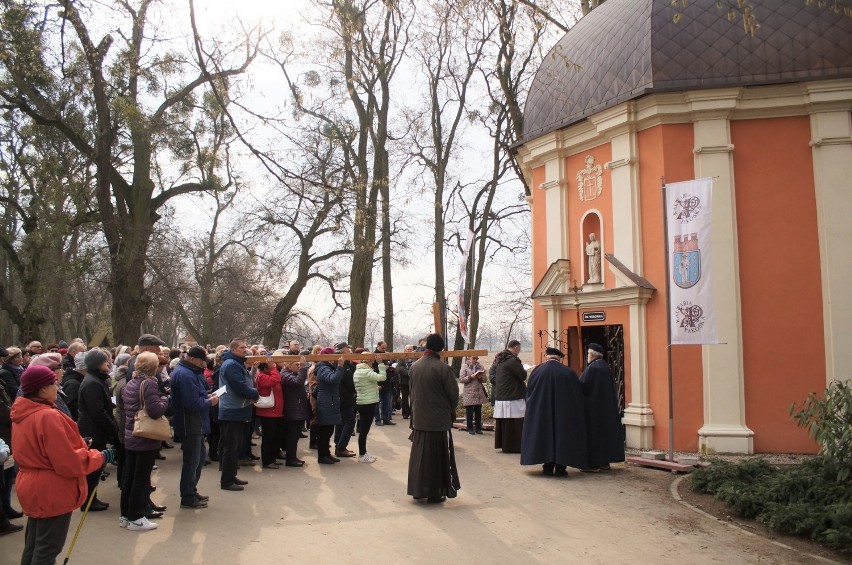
[(234, 412), (191, 403)]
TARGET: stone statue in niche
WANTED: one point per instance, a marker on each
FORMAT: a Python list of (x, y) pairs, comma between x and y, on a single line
[(593, 252)]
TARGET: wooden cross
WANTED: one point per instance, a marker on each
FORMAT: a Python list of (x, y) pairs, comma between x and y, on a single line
[(365, 356)]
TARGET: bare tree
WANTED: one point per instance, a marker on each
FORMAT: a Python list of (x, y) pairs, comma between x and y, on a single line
[(41, 222), (450, 49), (133, 98)]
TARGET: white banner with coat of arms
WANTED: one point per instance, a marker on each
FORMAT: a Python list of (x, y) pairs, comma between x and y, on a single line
[(688, 217)]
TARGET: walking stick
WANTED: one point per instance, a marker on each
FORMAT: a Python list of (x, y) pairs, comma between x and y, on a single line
[(80, 525)]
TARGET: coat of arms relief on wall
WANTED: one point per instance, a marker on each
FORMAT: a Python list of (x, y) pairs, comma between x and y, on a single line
[(590, 180)]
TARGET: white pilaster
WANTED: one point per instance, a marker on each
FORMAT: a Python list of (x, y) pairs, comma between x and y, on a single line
[(638, 416), (831, 143), (624, 174), (724, 428), (555, 208)]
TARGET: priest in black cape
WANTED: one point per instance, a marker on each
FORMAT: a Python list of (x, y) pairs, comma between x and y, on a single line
[(606, 442), (555, 424), (434, 393)]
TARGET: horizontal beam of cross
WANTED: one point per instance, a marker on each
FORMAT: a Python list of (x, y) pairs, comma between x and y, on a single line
[(367, 356)]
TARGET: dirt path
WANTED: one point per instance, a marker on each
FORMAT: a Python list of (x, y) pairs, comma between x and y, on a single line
[(357, 513)]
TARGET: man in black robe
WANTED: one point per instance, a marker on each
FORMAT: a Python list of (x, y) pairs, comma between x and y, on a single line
[(555, 424), (606, 442), (432, 472)]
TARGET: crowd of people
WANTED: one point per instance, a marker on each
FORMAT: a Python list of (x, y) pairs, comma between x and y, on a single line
[(67, 412)]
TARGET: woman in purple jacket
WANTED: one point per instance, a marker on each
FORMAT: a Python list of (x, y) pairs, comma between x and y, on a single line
[(296, 408), (140, 452)]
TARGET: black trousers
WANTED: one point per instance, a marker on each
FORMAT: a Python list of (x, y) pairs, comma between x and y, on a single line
[(230, 438), (245, 440), (406, 405), (474, 417), (95, 476), (44, 539), (324, 434), (136, 490), (119, 461), (365, 421), (292, 435), (270, 441)]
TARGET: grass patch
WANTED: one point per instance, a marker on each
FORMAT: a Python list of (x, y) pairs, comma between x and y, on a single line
[(805, 500)]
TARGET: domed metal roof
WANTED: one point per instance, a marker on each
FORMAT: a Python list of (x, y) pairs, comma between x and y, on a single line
[(628, 48)]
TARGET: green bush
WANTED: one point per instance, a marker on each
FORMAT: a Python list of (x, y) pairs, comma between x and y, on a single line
[(804, 500), (828, 419)]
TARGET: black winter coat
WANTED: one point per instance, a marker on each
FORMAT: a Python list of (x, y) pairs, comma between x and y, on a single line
[(95, 410), (71, 382), (347, 385), (6, 401), (510, 377), (296, 405)]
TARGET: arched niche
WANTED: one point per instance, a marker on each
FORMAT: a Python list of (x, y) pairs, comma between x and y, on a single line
[(591, 223)]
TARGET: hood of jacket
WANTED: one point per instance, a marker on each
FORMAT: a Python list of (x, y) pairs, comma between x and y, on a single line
[(23, 408), (230, 355), (503, 355), (196, 370)]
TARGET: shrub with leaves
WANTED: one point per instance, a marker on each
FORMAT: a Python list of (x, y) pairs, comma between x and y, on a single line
[(804, 500), (828, 419)]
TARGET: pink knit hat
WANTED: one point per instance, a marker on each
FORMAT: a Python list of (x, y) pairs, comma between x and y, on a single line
[(327, 351), (36, 377), (49, 360)]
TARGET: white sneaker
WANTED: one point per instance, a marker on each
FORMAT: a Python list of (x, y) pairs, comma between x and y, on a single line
[(367, 458), (141, 525), (122, 522)]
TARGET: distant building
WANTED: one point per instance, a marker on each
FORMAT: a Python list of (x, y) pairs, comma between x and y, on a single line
[(628, 97)]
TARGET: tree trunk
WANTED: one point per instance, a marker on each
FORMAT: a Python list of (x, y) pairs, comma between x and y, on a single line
[(127, 286), (387, 283)]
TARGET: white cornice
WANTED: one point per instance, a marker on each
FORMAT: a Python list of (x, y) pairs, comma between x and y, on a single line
[(624, 296), (551, 184), (830, 141), (618, 163), (707, 149)]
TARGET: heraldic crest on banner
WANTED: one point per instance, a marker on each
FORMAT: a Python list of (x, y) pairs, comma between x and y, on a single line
[(590, 180), (686, 259), (690, 317)]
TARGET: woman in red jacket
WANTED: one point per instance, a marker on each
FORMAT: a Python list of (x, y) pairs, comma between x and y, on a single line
[(271, 419), (53, 462)]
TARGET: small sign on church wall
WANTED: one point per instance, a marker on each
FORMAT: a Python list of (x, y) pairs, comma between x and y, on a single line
[(594, 316)]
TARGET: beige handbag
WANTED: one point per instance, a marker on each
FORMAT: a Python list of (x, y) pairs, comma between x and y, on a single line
[(148, 427)]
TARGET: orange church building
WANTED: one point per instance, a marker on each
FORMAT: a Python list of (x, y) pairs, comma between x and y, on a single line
[(628, 98)]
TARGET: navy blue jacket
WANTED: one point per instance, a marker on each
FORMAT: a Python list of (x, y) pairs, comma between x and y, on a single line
[(235, 404), (190, 401), (328, 393), (296, 405)]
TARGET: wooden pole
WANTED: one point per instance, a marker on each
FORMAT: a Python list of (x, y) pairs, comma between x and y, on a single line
[(436, 318), (366, 356), (668, 319)]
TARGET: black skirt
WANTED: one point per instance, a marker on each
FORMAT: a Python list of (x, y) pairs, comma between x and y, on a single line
[(432, 465), (507, 434)]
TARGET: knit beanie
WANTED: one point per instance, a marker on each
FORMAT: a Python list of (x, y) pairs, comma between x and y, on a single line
[(327, 351), (122, 359), (36, 377), (434, 342), (49, 360), (93, 359), (80, 361)]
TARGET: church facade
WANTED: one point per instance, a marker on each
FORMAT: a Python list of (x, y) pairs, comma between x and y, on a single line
[(628, 100)]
